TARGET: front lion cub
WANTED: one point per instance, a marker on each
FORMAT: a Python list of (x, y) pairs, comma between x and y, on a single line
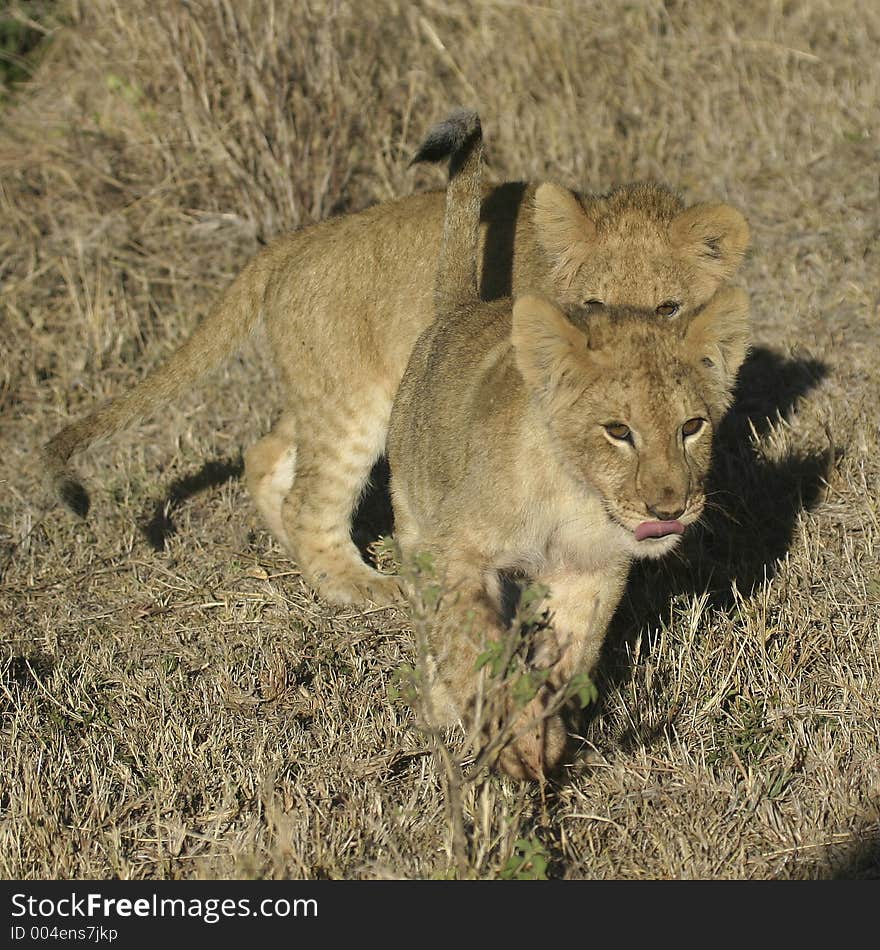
[(555, 444)]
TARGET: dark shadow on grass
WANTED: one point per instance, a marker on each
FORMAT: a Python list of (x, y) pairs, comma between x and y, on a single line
[(747, 529), (854, 859), (158, 526), (27, 670), (858, 860), (372, 519)]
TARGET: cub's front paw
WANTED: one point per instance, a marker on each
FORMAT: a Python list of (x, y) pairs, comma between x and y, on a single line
[(366, 586)]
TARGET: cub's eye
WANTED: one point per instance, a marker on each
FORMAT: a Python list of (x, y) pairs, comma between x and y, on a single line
[(593, 302), (617, 430), (692, 427), (669, 308)]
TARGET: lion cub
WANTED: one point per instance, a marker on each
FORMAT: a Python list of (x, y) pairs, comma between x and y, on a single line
[(342, 304), (558, 443)]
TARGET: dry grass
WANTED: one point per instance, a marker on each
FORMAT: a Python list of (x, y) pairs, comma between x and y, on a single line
[(175, 703)]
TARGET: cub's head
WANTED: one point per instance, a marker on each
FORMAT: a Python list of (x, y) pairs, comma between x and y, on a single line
[(631, 402), (637, 247)]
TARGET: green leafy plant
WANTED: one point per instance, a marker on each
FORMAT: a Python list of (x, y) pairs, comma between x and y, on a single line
[(529, 862)]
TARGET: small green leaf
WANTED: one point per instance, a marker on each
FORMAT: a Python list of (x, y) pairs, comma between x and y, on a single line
[(532, 594), (493, 656), (582, 687), (529, 862)]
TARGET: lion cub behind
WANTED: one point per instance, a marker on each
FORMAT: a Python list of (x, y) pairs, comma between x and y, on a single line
[(555, 444)]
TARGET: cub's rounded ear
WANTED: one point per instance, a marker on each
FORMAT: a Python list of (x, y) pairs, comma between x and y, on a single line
[(544, 340), (718, 337), (714, 236), (536, 321), (564, 229)]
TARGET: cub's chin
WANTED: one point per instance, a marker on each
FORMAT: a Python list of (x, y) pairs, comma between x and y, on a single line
[(654, 547)]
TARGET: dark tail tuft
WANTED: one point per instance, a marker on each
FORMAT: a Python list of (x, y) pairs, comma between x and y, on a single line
[(74, 496), (459, 138), (55, 457), (449, 139)]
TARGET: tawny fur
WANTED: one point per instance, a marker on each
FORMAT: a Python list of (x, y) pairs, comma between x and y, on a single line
[(343, 303), (502, 461)]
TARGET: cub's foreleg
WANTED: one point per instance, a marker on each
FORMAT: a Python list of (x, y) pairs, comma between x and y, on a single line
[(581, 606), (468, 679)]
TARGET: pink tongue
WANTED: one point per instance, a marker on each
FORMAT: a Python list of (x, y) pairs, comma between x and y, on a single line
[(658, 529)]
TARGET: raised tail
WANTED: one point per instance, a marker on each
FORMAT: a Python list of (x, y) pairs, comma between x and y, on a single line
[(459, 138), (214, 340)]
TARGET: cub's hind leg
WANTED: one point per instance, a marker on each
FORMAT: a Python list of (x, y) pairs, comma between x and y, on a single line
[(270, 468), (334, 457)]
